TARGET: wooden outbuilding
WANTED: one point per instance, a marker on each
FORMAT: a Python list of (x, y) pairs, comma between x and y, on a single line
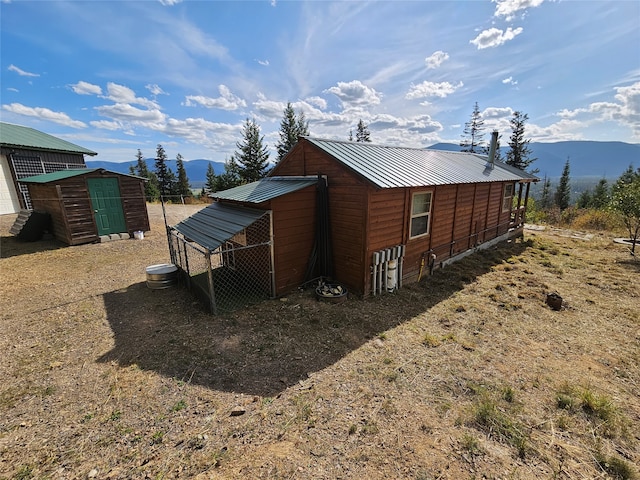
[(396, 213), (370, 217), (90, 204)]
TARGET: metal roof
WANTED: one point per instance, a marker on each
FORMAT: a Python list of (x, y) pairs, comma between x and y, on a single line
[(25, 137), (217, 223), (265, 189), (72, 172), (391, 167)]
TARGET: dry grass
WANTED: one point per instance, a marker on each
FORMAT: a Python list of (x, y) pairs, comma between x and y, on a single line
[(467, 374)]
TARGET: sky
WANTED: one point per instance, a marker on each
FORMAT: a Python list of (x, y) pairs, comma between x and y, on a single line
[(117, 76)]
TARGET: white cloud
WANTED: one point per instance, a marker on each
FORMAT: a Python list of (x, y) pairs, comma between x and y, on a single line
[(86, 88), (508, 8), (494, 37), (319, 102), (355, 93), (155, 89), (509, 81), (11, 89), (169, 3), (44, 114), (120, 94), (497, 112), (436, 59), (128, 113), (226, 101), (106, 125), (264, 63), (22, 73), (431, 89)]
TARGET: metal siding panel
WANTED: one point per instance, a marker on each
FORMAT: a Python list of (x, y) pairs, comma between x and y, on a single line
[(265, 189)]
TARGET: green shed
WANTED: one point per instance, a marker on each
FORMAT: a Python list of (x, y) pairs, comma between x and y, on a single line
[(90, 204)]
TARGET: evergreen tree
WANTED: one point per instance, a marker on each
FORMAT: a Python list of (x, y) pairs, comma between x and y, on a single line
[(585, 200), (473, 133), (563, 192), (230, 178), (362, 132), (292, 126), (162, 171), (210, 182), (183, 188), (545, 197), (151, 190), (519, 154), (601, 196), (253, 157)]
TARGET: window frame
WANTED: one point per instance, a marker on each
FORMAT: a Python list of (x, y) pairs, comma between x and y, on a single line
[(507, 199), (427, 214)]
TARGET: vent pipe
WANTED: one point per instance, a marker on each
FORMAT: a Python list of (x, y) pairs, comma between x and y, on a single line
[(493, 147)]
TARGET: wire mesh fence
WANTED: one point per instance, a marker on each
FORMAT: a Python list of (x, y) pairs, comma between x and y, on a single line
[(236, 274)]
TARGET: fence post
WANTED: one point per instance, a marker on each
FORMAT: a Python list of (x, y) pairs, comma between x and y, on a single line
[(212, 297)]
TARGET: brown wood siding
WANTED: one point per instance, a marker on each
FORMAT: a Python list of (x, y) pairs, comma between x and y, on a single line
[(294, 227), (69, 204), (347, 210), (134, 204)]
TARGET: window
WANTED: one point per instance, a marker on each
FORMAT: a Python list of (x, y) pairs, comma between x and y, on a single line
[(420, 214), (507, 197)]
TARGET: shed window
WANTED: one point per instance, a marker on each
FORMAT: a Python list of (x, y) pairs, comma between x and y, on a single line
[(420, 213), (507, 197)]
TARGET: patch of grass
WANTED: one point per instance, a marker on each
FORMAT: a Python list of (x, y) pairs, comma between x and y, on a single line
[(496, 423), (470, 444), (181, 405), (24, 472), (115, 415), (508, 394), (431, 341), (370, 427), (157, 437), (616, 467)]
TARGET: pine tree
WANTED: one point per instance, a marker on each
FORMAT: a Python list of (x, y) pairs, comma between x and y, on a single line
[(519, 154), (362, 132), (292, 126), (563, 192), (601, 196), (545, 197), (210, 183), (162, 171), (229, 178), (183, 188), (151, 190), (253, 157), (473, 133)]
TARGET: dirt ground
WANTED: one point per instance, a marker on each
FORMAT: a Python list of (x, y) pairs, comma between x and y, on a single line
[(466, 375)]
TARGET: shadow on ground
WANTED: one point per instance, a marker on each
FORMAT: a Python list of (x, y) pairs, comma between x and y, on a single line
[(266, 348), (10, 246)]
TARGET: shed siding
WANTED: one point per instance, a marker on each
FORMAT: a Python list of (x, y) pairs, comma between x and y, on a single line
[(69, 204), (294, 227), (347, 210)]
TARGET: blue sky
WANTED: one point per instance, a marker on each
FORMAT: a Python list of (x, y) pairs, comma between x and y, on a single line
[(118, 76)]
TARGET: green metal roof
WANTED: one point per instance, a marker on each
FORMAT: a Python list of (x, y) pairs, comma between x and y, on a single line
[(387, 166), (265, 189), (72, 172), (25, 137), (217, 223)]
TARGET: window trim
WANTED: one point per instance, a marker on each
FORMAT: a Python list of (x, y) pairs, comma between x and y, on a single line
[(508, 198), (420, 215)]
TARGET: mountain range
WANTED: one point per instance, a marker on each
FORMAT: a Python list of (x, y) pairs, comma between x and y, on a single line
[(586, 159)]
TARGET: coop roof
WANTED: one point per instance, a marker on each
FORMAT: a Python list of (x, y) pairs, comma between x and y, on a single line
[(387, 166), (265, 189), (19, 136), (214, 225)]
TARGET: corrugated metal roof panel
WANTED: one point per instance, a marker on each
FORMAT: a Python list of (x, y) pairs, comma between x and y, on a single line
[(19, 136), (217, 223), (265, 189), (72, 172), (397, 167)]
